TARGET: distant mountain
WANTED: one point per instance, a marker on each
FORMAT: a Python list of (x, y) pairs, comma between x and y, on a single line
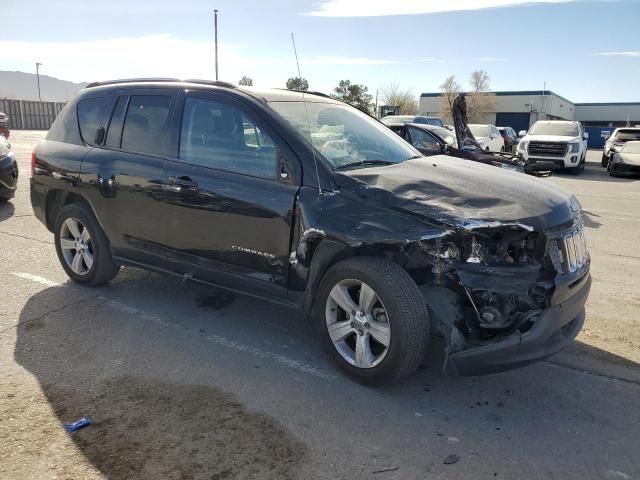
[(24, 86)]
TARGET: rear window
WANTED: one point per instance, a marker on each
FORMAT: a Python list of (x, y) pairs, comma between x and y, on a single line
[(65, 127), (89, 114), (627, 135), (145, 123)]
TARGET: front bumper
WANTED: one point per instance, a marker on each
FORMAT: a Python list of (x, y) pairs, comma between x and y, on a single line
[(536, 162), (552, 331)]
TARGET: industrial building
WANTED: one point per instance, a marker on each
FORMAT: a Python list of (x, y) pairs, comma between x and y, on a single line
[(520, 109)]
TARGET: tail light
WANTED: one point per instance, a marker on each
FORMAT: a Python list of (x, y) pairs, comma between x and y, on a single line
[(33, 162)]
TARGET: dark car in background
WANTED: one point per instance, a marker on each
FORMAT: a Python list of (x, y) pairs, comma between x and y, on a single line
[(4, 125), (432, 140), (8, 171), (310, 203), (510, 139), (421, 119), (618, 138)]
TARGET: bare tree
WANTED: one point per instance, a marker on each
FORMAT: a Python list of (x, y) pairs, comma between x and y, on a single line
[(393, 94), (480, 100), (450, 90)]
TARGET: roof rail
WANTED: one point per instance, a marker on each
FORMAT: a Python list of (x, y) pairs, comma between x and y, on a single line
[(320, 94), (214, 83)]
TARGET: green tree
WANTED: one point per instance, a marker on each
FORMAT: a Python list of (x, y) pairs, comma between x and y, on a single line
[(298, 83), (246, 81), (353, 94)]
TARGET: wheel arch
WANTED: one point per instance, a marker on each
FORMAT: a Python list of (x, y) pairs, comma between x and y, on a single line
[(326, 252), (58, 199)]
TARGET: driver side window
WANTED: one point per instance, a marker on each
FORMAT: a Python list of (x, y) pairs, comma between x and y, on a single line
[(424, 141), (218, 135)]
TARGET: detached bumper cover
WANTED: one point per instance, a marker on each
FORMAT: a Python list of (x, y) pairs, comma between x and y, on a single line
[(554, 329)]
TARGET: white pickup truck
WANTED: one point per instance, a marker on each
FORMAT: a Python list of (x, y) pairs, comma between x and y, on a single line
[(554, 145)]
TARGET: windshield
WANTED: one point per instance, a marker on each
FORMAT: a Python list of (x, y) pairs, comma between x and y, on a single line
[(554, 128), (344, 135), (446, 135), (626, 135), (631, 147), (479, 130)]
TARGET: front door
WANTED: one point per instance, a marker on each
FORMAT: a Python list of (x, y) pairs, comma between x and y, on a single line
[(230, 199)]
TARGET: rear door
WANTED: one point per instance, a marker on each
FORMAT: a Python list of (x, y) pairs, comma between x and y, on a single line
[(125, 173), (230, 196)]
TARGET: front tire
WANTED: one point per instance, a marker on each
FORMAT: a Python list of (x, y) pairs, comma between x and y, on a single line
[(373, 319), (83, 249), (604, 161)]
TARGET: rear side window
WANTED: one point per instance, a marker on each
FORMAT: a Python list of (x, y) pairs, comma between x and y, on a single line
[(145, 123), (65, 127), (89, 115)]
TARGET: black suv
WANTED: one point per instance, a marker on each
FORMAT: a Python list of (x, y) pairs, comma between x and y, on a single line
[(305, 201)]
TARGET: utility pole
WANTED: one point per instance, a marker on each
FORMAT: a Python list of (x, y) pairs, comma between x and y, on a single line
[(38, 77), (215, 24), (544, 87)]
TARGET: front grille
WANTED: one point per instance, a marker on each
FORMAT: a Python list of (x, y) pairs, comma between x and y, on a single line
[(548, 149), (568, 251), (575, 248)]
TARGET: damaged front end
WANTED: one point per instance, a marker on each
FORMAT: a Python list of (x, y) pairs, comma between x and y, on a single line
[(488, 284)]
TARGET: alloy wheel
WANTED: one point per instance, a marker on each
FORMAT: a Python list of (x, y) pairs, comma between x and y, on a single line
[(76, 246), (358, 323)]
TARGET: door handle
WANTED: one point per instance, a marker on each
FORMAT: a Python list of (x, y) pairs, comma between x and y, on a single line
[(182, 182)]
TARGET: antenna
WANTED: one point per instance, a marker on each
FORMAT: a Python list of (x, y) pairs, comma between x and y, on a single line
[(304, 102)]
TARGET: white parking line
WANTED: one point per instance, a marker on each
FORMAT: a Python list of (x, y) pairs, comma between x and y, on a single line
[(217, 339), (36, 279)]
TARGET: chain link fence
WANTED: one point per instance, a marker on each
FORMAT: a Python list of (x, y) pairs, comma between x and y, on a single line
[(30, 115)]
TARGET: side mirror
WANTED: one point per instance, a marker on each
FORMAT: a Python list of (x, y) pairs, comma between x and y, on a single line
[(585, 135), (522, 133)]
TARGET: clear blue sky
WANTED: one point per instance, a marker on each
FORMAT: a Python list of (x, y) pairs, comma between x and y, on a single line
[(585, 50)]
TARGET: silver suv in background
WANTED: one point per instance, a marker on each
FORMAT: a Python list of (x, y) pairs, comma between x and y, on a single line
[(616, 141), (554, 145)]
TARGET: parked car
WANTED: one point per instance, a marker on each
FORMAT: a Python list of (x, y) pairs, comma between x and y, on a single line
[(396, 119), (431, 140), (488, 137), (553, 145), (4, 125), (510, 138), (8, 171), (321, 208), (617, 139), (625, 159)]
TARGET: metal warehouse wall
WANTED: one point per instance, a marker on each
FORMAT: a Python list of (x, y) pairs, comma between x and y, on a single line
[(30, 115), (608, 112)]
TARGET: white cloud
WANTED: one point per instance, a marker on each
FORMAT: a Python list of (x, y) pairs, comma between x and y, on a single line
[(161, 55), (618, 54), (428, 59), (382, 8), (491, 59), (333, 60)]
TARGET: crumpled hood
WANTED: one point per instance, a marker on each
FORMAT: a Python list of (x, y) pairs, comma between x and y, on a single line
[(460, 193)]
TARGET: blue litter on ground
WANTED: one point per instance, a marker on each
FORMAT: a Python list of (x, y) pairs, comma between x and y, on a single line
[(83, 422)]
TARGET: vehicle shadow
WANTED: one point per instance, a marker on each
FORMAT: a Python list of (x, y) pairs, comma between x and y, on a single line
[(7, 210), (143, 427), (147, 426)]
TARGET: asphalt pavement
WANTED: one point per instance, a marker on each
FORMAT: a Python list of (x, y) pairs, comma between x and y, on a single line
[(185, 381)]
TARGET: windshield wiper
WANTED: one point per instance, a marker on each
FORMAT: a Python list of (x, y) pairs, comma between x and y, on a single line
[(364, 163)]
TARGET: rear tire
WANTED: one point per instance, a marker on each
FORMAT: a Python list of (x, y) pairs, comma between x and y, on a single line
[(398, 307), (83, 248)]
